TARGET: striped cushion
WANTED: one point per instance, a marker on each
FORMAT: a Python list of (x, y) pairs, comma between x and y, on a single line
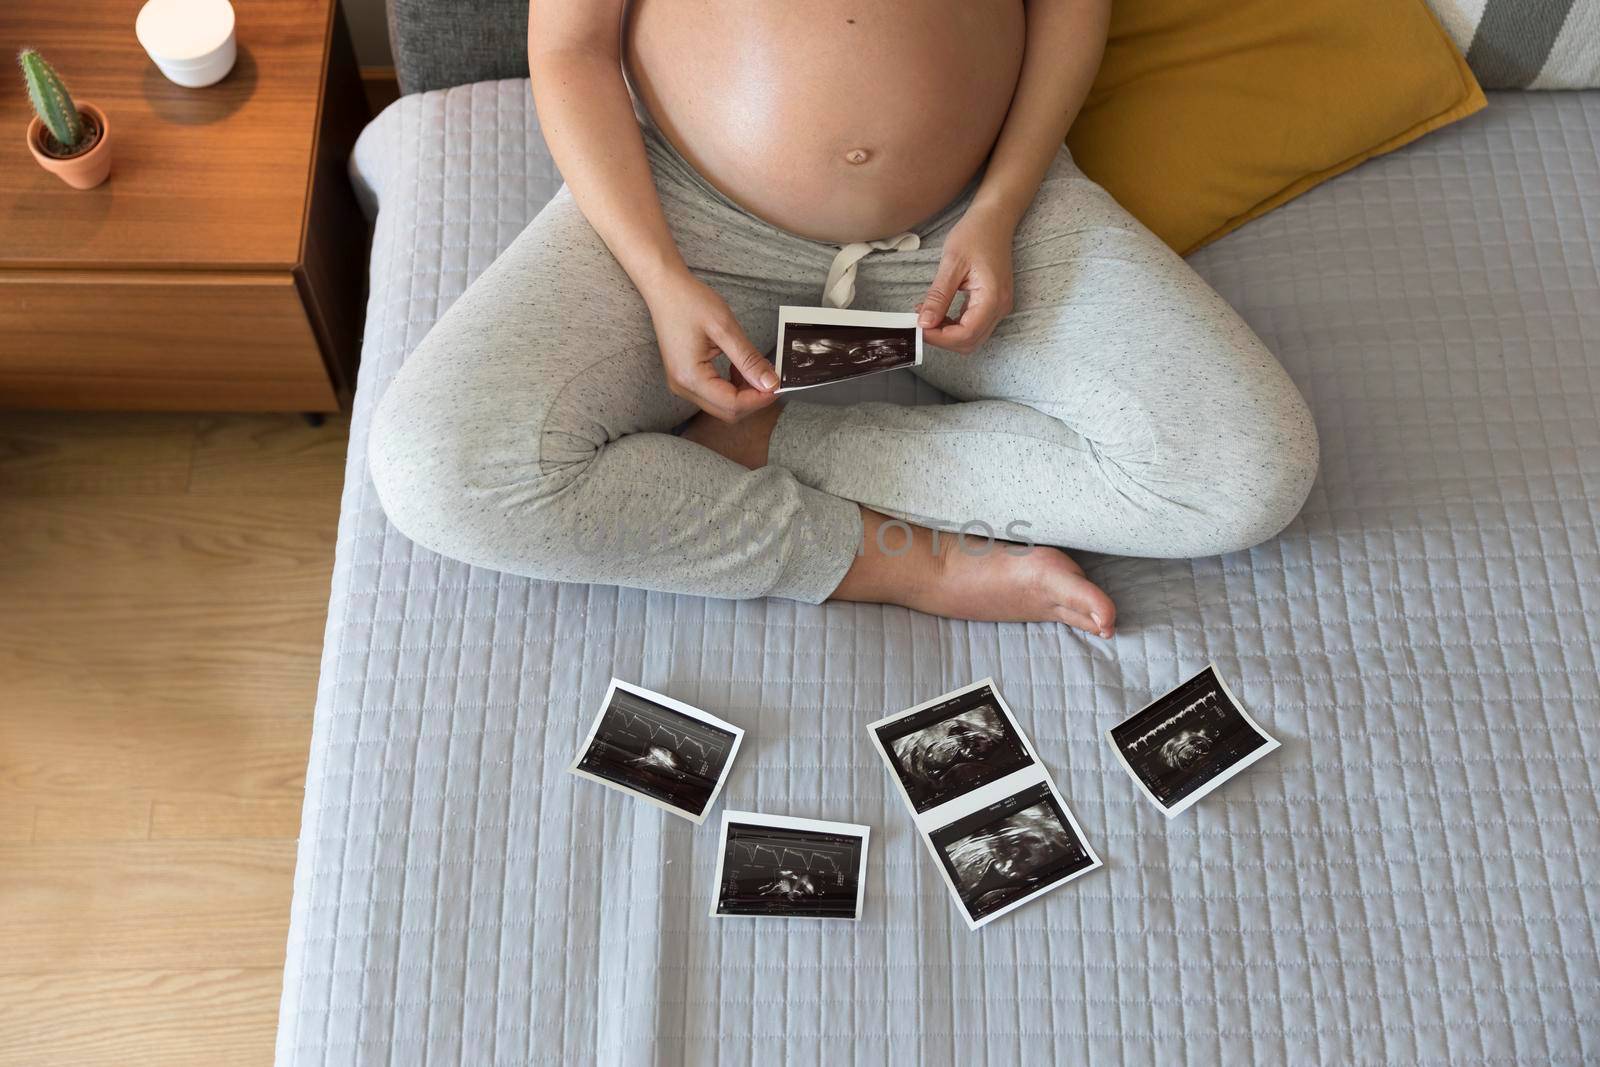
[(1527, 44)]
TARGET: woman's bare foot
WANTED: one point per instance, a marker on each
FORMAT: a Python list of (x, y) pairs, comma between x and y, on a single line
[(743, 442), (1002, 582)]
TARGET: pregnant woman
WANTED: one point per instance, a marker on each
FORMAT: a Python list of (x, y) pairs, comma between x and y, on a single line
[(597, 407)]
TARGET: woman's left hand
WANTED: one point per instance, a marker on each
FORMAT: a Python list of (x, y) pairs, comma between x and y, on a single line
[(976, 260)]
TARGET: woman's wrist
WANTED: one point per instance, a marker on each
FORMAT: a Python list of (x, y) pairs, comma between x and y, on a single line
[(655, 274), (997, 207)]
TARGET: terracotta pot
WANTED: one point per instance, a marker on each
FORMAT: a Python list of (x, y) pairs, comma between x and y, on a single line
[(84, 171)]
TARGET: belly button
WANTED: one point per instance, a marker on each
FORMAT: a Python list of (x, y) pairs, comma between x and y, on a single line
[(857, 155)]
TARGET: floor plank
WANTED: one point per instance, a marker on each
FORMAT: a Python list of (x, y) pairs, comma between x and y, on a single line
[(112, 815), (115, 771), (194, 1017), (109, 542), (132, 602), (163, 591), (69, 454), (252, 454), (176, 814), (166, 905)]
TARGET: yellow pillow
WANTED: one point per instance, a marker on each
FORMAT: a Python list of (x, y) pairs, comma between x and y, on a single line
[(1206, 115)]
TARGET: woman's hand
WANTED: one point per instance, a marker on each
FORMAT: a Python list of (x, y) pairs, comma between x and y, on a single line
[(976, 260), (693, 324)]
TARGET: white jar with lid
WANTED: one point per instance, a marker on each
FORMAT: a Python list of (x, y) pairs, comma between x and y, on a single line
[(191, 41)]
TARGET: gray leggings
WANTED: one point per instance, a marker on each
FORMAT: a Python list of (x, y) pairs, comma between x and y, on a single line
[(1121, 407)]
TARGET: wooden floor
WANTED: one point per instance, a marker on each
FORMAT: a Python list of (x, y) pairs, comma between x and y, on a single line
[(163, 585)]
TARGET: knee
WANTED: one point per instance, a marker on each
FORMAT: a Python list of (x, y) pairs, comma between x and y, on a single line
[(420, 473), (1263, 484), (440, 482)]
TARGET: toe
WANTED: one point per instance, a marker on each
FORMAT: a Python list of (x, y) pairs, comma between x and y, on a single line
[(1079, 621), (1090, 601)]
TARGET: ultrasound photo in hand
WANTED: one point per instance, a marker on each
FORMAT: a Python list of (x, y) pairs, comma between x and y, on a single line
[(797, 868), (819, 346), (672, 755), (1011, 851), (1189, 742), (952, 747)]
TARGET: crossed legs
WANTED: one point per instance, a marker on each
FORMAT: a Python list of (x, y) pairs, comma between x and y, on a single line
[(1122, 407)]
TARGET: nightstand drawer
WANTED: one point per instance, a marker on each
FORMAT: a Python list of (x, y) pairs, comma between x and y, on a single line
[(177, 340)]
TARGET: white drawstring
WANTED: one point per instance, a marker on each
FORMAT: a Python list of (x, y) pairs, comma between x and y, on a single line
[(840, 289)]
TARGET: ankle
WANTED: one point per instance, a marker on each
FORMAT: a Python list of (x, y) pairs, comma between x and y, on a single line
[(912, 571), (886, 569), (745, 442), (941, 554)]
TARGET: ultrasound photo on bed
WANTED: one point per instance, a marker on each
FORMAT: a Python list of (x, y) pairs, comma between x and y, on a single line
[(1011, 850), (660, 749), (953, 747), (818, 346), (790, 867), (1189, 741)]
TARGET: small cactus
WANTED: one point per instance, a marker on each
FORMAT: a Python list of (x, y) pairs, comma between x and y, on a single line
[(51, 101)]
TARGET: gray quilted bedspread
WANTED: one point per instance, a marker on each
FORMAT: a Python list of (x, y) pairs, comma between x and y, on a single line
[(1410, 879)]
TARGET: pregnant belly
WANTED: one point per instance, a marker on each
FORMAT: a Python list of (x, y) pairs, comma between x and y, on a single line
[(835, 120)]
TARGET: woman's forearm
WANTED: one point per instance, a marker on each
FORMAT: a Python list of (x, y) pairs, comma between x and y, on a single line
[(1066, 39), (588, 122)]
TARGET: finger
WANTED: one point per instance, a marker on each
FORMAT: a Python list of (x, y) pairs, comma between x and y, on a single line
[(952, 338), (978, 320), (750, 398), (730, 338), (713, 394), (946, 281), (962, 336), (723, 399), (747, 400)]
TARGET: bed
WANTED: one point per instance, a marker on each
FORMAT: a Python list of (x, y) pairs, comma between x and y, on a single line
[(1407, 880)]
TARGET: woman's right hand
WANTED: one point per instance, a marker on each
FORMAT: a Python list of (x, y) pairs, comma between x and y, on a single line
[(693, 325)]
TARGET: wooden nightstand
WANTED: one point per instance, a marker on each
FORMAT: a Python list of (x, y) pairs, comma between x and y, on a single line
[(221, 266)]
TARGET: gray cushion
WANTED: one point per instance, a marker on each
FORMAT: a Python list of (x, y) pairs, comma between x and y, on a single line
[(440, 43)]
